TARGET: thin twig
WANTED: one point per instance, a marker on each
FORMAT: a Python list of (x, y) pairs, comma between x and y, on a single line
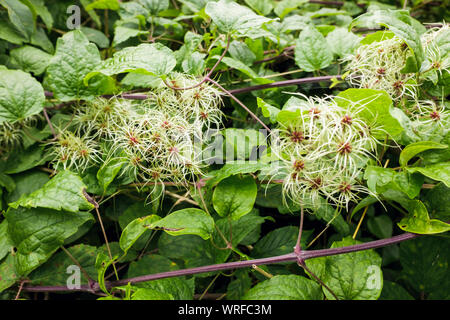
[(298, 246), (96, 206), (209, 73), (20, 289), (360, 221), (181, 198), (89, 279), (285, 83), (228, 244), (106, 241), (240, 103), (318, 236), (263, 272), (49, 123), (303, 265), (209, 286)]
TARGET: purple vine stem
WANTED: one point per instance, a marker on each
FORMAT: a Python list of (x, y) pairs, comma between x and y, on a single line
[(130, 96), (285, 83), (277, 84), (290, 257)]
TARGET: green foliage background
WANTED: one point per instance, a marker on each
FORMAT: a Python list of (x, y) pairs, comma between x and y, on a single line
[(48, 216)]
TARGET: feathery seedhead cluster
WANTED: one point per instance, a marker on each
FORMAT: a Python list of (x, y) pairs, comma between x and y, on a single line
[(437, 52), (158, 139), (11, 134), (429, 118), (322, 152), (101, 116), (198, 105), (379, 65), (72, 151)]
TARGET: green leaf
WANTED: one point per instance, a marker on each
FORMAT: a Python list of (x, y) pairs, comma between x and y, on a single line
[(62, 192), (7, 182), (195, 251), (42, 11), (367, 201), (92, 14), (134, 230), (330, 215), (326, 12), (8, 274), (239, 286), (402, 25), (434, 200), (294, 22), (437, 155), (312, 51), (21, 95), (263, 7), (20, 16), (185, 221), (155, 6), (26, 183), (279, 241), (54, 271), (268, 110), (22, 160), (117, 253), (425, 262), (38, 232), (351, 276), (411, 150), (10, 33), (377, 111), (192, 250), (393, 291), (96, 36), (150, 294), (6, 244), (381, 179), (74, 58), (342, 42), (235, 196), (410, 184), (135, 210), (285, 287), (419, 222), (178, 287), (103, 4), (377, 37), (284, 7), (152, 59), (122, 34), (109, 171), (243, 143), (238, 65), (241, 52), (30, 59), (237, 231), (102, 263), (380, 226), (230, 16), (40, 39), (139, 80), (194, 64), (439, 172), (232, 168)]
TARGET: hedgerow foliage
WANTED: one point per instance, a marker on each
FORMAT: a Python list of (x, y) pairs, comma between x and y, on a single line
[(139, 137)]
